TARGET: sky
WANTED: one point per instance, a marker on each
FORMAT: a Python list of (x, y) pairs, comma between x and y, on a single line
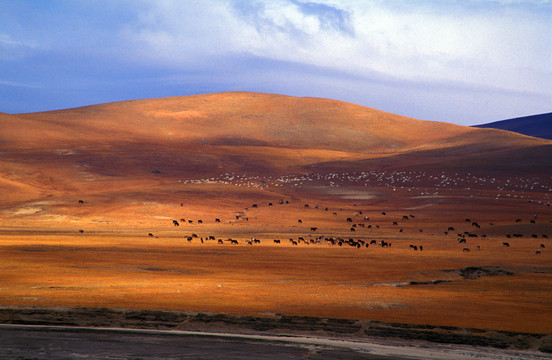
[(464, 62)]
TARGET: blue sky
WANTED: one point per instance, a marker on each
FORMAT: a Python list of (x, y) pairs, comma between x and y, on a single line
[(465, 62)]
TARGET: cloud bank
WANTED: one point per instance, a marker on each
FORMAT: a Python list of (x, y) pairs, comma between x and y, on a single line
[(465, 62)]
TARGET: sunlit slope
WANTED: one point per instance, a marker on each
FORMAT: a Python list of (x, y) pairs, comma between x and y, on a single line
[(123, 143), (237, 118)]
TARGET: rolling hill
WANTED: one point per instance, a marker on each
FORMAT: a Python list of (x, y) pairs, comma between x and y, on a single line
[(131, 143), (536, 125)]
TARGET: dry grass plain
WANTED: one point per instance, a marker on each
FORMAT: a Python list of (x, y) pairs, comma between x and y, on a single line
[(140, 180), (114, 263)]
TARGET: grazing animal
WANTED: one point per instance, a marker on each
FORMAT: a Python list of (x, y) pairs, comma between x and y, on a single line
[(506, 244), (462, 240), (276, 241), (306, 205), (195, 235), (395, 223), (294, 242), (211, 237), (217, 220), (383, 213), (81, 201), (269, 204), (300, 221), (254, 205), (349, 220), (314, 228), (405, 217), (542, 246), (353, 229), (518, 220), (175, 223), (467, 220), (233, 242), (200, 221), (537, 252), (150, 235), (534, 236), (532, 221), (220, 241), (450, 228), (190, 221), (466, 250), (81, 231), (421, 248)]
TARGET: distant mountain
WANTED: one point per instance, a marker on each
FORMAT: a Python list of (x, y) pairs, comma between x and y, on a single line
[(536, 125)]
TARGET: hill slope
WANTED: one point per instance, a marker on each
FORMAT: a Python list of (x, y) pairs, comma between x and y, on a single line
[(536, 125), (130, 144)]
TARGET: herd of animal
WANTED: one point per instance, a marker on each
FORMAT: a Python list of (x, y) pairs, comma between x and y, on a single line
[(358, 224), (420, 183)]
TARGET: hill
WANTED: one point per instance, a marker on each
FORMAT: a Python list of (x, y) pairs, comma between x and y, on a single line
[(126, 143), (536, 125)]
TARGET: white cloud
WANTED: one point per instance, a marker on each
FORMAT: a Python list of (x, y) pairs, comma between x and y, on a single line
[(369, 49), (505, 46)]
